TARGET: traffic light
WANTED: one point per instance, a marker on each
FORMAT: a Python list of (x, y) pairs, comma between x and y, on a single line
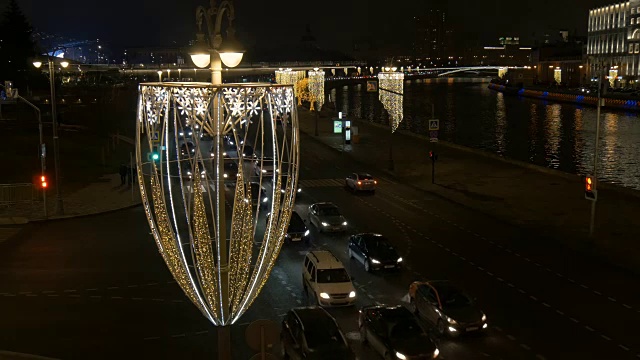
[(43, 182), (590, 192), (154, 155), (433, 156)]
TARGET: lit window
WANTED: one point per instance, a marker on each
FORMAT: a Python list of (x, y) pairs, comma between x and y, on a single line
[(632, 21), (630, 48), (637, 48)]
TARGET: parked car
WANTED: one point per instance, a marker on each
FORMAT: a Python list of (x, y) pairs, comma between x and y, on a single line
[(325, 216), (394, 333), (326, 281), (230, 170), (447, 307), (373, 251), (361, 182), (312, 333), (297, 230)]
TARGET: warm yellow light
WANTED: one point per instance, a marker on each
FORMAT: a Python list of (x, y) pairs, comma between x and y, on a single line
[(231, 59), (580, 66), (64, 64), (550, 66), (37, 64), (201, 60)]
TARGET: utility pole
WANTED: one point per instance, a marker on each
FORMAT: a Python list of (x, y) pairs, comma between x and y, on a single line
[(56, 141)]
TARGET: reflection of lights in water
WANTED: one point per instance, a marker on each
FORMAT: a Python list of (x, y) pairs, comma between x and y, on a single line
[(552, 131), (609, 154), (501, 122), (345, 101), (357, 101), (581, 163), (533, 132)]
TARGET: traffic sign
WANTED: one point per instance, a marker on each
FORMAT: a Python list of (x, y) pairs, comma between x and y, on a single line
[(433, 140), (434, 124), (155, 137)]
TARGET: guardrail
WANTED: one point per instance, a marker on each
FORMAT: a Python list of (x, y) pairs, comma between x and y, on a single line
[(15, 193)]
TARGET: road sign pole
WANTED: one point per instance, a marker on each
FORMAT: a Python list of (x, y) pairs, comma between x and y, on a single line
[(433, 168)]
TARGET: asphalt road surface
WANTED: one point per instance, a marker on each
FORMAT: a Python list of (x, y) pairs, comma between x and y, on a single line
[(96, 287)]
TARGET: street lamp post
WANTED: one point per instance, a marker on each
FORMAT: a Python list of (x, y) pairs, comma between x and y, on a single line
[(54, 120), (595, 154), (213, 51)]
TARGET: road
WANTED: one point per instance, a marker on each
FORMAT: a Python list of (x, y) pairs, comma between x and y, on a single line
[(97, 288)]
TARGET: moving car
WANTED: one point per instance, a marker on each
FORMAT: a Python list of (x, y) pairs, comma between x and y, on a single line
[(373, 251), (264, 166), (283, 185), (451, 310), (297, 230), (187, 171), (258, 195), (187, 148), (394, 333), (185, 132), (230, 170), (361, 182), (325, 280), (312, 333), (325, 216)]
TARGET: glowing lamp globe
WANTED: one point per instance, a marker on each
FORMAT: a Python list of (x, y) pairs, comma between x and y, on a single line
[(231, 59), (37, 64), (201, 59)]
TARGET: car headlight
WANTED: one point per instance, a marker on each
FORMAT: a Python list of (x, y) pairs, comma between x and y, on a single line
[(264, 171), (181, 133), (451, 321), (265, 200), (352, 294), (282, 191), (226, 176), (324, 295), (324, 224), (375, 261), (306, 233), (344, 223), (399, 259), (224, 154), (436, 352), (299, 190), (484, 317), (190, 133), (188, 172), (400, 356), (212, 155)]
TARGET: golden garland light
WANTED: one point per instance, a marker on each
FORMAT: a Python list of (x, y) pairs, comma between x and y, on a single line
[(391, 94), (316, 88), (302, 91), (183, 188)]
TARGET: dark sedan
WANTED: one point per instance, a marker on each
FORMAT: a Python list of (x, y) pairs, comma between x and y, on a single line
[(297, 230), (373, 251), (447, 307), (394, 333)]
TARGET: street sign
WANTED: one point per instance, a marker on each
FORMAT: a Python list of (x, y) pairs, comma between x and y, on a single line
[(433, 134), (337, 126), (155, 137), (433, 140), (372, 86), (434, 124)]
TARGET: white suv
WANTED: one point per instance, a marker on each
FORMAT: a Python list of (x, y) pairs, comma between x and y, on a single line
[(325, 279)]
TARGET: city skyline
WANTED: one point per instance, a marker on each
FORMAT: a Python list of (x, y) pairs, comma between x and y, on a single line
[(257, 24)]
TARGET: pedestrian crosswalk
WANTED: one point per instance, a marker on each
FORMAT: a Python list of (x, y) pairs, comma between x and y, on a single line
[(309, 183)]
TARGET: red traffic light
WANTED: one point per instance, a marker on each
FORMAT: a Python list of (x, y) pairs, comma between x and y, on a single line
[(43, 181), (588, 183)]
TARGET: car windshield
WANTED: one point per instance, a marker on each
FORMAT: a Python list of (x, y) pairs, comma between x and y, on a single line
[(325, 335), (333, 276), (231, 166), (255, 188), (328, 211), (247, 150), (451, 297), (296, 221), (405, 329), (377, 243), (365, 177)]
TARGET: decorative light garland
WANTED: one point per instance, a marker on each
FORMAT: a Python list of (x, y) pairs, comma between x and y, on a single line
[(316, 88), (392, 100), (182, 191)]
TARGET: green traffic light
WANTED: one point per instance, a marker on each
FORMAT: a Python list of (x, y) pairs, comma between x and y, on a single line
[(155, 156)]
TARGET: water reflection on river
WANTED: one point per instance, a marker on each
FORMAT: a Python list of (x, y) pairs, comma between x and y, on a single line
[(559, 136)]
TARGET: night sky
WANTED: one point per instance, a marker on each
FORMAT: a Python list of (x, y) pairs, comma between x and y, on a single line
[(335, 23)]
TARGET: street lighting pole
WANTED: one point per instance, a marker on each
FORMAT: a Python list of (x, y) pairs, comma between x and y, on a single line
[(214, 54), (56, 142), (595, 156)]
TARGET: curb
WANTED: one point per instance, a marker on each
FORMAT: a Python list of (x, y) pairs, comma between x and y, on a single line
[(67, 217), (24, 221), (10, 355)]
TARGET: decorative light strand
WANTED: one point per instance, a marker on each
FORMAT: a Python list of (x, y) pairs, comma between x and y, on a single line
[(185, 230), (392, 99), (316, 88)]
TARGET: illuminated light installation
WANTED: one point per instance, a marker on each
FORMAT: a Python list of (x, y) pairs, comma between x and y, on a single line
[(613, 75), (181, 191), (557, 75), (392, 99), (290, 77), (502, 72), (316, 88)]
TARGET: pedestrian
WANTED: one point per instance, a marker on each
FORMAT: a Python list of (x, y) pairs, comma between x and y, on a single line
[(123, 173)]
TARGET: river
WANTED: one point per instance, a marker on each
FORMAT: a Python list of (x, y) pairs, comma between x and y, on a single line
[(556, 135)]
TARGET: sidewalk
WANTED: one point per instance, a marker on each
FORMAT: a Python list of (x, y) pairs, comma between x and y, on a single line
[(104, 195), (547, 202)]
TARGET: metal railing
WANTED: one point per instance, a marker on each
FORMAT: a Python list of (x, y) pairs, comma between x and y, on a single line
[(15, 193)]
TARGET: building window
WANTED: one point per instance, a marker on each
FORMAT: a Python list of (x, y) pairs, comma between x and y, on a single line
[(632, 21), (630, 48), (636, 48), (633, 10)]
